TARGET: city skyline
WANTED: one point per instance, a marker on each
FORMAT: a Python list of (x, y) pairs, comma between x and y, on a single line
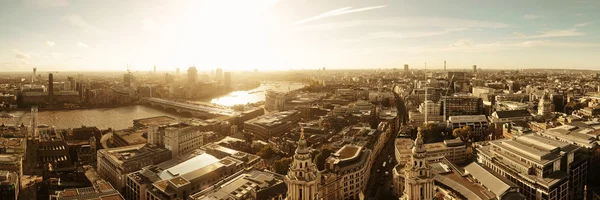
[(279, 35)]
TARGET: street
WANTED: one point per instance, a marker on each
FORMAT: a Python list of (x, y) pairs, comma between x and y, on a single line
[(379, 185)]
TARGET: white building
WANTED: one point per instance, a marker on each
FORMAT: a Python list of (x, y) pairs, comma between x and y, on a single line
[(183, 140)]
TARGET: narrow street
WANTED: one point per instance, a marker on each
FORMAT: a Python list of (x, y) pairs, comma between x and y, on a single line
[(379, 185)]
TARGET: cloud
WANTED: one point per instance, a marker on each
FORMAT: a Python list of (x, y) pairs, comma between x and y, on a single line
[(82, 45), (468, 46), (46, 3), (408, 22), (50, 43), (148, 24), (405, 35), (555, 33), (531, 16), (336, 12), (20, 54), (462, 43), (79, 22), (583, 24)]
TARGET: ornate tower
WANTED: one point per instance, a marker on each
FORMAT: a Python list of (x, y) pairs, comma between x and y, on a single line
[(545, 105), (418, 183), (303, 177)]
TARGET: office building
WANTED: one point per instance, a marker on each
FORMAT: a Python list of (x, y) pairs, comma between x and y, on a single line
[(250, 184), (183, 140), (454, 150), (184, 176), (115, 163), (461, 105), (511, 116), (50, 88), (272, 124), (543, 168), (478, 123), (346, 173), (100, 190), (227, 80), (348, 94), (219, 74), (474, 68), (192, 75), (406, 68), (429, 109)]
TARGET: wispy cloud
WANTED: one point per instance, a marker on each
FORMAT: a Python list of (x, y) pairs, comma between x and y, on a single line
[(469, 46), (462, 43), (79, 22), (405, 34), (583, 24), (50, 43), (531, 16), (555, 33), (82, 45), (340, 11), (148, 24), (409, 22), (46, 3), (20, 54)]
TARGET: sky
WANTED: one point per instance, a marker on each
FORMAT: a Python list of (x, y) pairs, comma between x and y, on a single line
[(109, 35)]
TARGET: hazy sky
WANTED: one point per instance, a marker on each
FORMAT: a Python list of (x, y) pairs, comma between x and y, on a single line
[(271, 34)]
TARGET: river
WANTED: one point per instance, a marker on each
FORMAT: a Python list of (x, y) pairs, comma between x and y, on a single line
[(254, 95), (122, 117)]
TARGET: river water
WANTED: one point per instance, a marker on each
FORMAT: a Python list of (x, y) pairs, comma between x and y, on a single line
[(255, 95), (122, 117)]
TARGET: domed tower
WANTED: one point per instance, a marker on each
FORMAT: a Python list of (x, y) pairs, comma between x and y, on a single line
[(303, 177), (545, 105), (418, 183)]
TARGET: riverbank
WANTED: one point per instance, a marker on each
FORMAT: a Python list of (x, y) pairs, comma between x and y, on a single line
[(66, 109)]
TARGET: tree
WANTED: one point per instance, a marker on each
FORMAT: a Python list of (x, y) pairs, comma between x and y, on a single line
[(573, 106), (465, 133), (322, 156), (282, 165), (266, 152), (432, 133)]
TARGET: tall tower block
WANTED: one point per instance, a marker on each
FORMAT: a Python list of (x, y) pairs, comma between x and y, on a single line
[(444, 65)]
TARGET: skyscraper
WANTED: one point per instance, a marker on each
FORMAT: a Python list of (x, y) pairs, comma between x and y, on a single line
[(192, 75), (154, 69), (50, 87), (474, 68), (444, 65), (219, 74), (34, 76), (227, 80), (406, 68)]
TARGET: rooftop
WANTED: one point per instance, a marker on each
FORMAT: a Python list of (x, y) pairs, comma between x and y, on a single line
[(273, 119), (160, 120)]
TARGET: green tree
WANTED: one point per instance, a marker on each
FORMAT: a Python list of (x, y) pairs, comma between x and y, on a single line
[(322, 156), (282, 165), (266, 152), (465, 133)]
